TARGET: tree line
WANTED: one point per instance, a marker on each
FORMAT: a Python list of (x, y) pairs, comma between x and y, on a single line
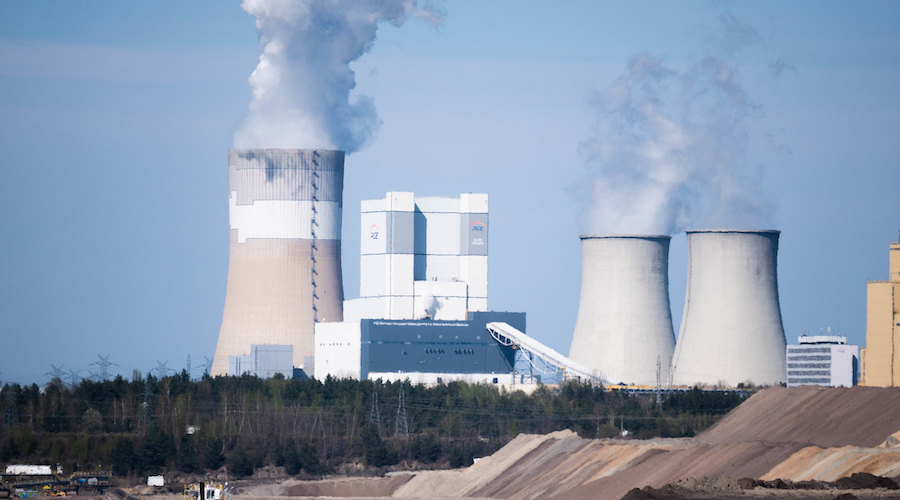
[(151, 425)]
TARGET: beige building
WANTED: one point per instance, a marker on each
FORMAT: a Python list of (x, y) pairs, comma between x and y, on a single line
[(881, 356)]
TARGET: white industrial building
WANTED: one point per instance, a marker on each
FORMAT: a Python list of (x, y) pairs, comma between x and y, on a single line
[(423, 270), (422, 257), (822, 360), (264, 361)]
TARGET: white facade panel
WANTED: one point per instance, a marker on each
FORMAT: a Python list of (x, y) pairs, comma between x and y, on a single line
[(473, 203), (473, 270), (365, 308), (373, 275), (284, 219), (338, 350), (401, 201), (440, 231), (373, 238), (731, 330), (439, 267), (478, 304), (624, 323), (400, 274), (440, 300), (844, 361), (452, 309), (400, 307)]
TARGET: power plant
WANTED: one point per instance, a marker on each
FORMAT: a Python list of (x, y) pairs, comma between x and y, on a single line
[(624, 326), (731, 330), (284, 268), (425, 260)]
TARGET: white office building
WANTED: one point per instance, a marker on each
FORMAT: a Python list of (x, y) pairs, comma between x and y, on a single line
[(822, 360)]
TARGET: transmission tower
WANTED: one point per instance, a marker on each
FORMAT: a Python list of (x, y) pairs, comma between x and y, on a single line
[(188, 367), (207, 365), (162, 369), (147, 406), (57, 372), (375, 413), (74, 377), (104, 363), (401, 426)]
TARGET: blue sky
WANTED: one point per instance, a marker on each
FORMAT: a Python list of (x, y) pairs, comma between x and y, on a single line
[(117, 118)]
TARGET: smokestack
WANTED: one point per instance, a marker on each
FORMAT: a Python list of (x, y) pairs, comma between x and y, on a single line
[(284, 269), (624, 323), (731, 330)]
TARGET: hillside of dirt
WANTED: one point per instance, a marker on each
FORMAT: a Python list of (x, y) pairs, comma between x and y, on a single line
[(821, 416), (779, 435)]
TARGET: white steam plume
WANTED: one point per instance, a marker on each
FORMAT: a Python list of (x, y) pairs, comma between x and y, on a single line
[(301, 87), (668, 149)]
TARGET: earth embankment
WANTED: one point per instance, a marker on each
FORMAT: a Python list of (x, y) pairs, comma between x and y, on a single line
[(798, 434)]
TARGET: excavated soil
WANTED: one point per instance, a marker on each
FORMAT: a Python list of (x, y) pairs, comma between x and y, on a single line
[(782, 443)]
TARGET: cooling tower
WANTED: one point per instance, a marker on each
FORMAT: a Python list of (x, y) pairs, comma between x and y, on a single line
[(624, 323), (731, 330), (284, 269)]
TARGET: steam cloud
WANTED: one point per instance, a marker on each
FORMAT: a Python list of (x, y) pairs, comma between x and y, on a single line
[(668, 149), (301, 87)]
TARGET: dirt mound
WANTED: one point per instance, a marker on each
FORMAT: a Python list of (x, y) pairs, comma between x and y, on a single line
[(350, 487), (823, 416), (863, 480), (814, 463), (780, 436)]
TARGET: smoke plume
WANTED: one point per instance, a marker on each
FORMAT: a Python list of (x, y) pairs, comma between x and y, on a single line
[(668, 148), (301, 87)]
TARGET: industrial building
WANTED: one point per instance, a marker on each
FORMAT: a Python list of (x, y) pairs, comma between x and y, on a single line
[(422, 312), (731, 329), (880, 357), (264, 361), (624, 325), (822, 360), (422, 257), (284, 268), (424, 351), (423, 296)]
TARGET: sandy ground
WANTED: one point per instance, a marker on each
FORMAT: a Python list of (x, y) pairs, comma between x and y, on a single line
[(800, 434)]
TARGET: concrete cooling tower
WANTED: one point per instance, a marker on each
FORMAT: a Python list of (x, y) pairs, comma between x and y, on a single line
[(284, 269), (624, 323), (731, 330)]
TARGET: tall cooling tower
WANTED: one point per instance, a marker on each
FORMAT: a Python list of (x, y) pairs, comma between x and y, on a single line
[(284, 269), (731, 329), (624, 324)]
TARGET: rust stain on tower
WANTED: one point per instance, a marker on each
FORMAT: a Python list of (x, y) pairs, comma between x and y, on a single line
[(284, 269)]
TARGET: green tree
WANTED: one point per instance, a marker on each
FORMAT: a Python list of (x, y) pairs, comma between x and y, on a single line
[(122, 456)]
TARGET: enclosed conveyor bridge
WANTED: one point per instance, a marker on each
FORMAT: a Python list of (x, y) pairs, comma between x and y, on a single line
[(541, 357)]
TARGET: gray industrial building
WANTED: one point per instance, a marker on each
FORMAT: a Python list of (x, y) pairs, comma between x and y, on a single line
[(427, 351), (264, 361)]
